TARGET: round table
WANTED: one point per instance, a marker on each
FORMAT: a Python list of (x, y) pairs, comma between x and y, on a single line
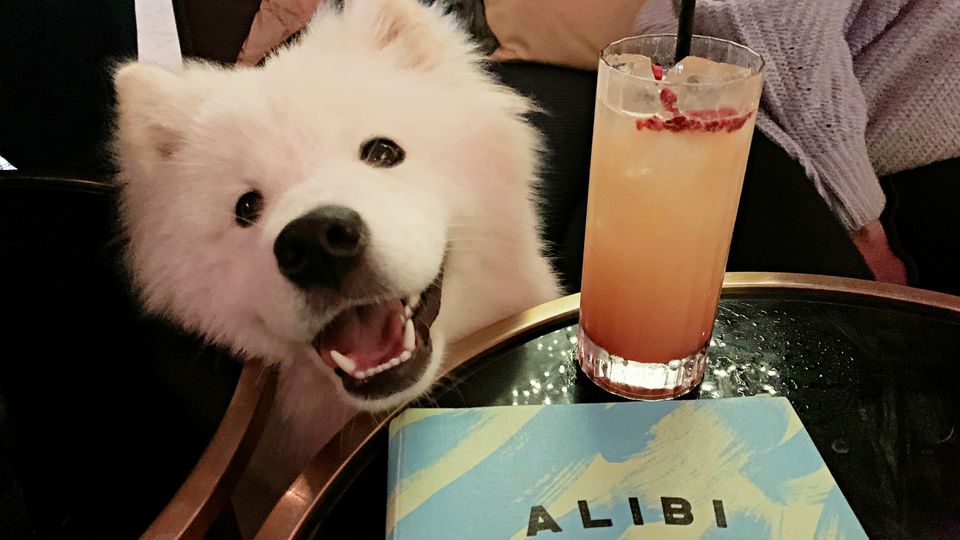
[(870, 369)]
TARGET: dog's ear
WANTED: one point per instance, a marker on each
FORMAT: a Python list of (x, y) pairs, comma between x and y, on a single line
[(154, 107), (420, 36)]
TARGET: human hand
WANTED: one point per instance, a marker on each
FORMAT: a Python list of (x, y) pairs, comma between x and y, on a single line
[(872, 242)]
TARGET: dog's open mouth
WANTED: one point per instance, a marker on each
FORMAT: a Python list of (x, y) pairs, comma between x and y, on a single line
[(383, 348)]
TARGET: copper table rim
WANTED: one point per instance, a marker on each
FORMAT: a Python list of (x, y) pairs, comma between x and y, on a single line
[(206, 491)]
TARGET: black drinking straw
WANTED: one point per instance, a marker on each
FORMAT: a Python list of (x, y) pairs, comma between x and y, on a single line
[(685, 30)]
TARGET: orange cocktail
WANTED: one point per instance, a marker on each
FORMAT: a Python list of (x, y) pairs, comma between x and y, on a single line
[(668, 162)]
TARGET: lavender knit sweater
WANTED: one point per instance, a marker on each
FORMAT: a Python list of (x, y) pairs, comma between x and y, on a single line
[(853, 88)]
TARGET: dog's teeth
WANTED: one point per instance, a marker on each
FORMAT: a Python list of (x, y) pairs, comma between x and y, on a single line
[(408, 312), (413, 302), (345, 363), (404, 356), (393, 363), (409, 337)]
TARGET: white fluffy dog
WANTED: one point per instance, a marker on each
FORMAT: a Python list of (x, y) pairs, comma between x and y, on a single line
[(312, 212)]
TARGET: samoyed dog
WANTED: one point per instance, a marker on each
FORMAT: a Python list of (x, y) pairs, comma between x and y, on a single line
[(340, 211)]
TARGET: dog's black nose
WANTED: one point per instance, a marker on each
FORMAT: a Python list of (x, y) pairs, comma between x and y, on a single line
[(320, 248)]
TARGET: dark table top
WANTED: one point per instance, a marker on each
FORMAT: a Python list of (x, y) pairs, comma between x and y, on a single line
[(871, 371)]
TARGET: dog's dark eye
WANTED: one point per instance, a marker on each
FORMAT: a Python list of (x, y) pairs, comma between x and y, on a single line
[(381, 152), (248, 209)]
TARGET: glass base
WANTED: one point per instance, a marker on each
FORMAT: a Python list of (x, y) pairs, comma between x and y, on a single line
[(640, 380)]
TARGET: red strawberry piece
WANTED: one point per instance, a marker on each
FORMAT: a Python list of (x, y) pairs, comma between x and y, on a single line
[(668, 98), (710, 121), (653, 123), (657, 71), (706, 114), (677, 123), (738, 122)]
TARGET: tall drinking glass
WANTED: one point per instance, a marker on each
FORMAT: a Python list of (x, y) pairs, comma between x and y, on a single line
[(670, 148)]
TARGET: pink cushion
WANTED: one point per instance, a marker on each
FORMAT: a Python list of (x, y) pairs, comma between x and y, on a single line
[(274, 23), (564, 32)]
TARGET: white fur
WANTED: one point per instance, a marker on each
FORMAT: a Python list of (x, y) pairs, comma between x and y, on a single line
[(190, 143)]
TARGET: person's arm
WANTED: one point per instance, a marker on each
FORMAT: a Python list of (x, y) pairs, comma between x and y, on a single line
[(873, 244), (813, 98), (813, 95)]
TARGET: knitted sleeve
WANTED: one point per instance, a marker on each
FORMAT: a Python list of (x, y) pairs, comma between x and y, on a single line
[(812, 103)]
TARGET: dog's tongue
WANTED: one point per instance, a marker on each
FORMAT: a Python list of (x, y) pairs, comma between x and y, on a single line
[(369, 335)]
